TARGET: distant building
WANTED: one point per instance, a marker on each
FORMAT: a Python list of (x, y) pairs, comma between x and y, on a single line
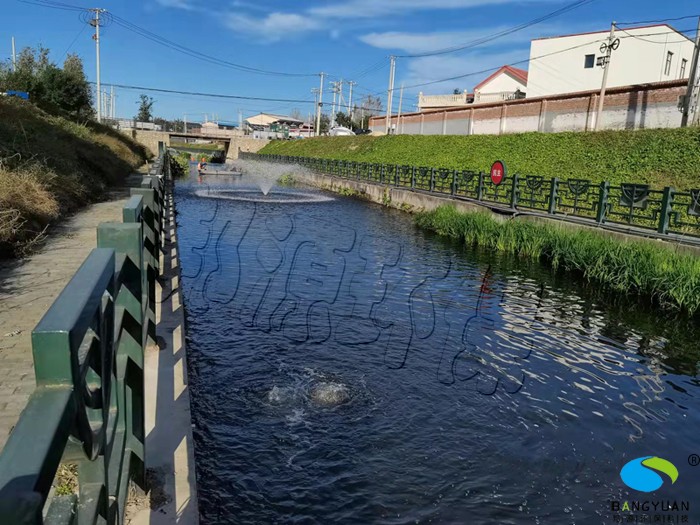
[(508, 83), (127, 123), (305, 130), (572, 63), (266, 125)]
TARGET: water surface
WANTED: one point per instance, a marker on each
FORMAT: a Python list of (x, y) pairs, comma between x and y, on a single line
[(473, 388)]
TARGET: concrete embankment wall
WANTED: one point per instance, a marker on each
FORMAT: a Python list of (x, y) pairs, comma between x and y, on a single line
[(246, 144), (416, 201)]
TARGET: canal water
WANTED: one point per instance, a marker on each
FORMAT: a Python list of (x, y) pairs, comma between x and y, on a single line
[(347, 367)]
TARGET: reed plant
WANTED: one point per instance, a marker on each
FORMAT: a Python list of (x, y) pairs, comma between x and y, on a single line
[(651, 269)]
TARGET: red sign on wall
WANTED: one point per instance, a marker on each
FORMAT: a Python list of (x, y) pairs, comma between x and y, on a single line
[(498, 172)]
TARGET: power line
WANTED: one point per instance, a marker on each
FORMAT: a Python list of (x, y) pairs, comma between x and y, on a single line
[(197, 54), (527, 60), (489, 38), (82, 30), (657, 21), (209, 95), (145, 33), (214, 95), (639, 37), (53, 5)]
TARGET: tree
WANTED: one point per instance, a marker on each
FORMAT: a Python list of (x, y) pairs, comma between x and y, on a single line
[(344, 120), (178, 125), (296, 114), (145, 113), (65, 92), (456, 91), (369, 107), (325, 123)]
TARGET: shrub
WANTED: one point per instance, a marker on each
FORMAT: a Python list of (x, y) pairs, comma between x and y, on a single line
[(643, 268), (660, 157)]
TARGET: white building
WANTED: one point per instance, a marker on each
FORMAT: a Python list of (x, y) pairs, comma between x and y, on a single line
[(570, 63), (507, 83)]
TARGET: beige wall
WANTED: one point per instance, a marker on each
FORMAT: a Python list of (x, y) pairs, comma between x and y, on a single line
[(245, 144), (149, 138)]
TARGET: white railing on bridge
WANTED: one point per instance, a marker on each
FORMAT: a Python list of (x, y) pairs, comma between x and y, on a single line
[(443, 101), (464, 99)]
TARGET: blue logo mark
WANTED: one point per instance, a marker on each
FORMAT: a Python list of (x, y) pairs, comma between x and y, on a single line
[(642, 474)]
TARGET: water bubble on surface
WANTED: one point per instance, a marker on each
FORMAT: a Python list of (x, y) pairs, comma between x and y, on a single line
[(330, 394), (279, 396), (265, 174)]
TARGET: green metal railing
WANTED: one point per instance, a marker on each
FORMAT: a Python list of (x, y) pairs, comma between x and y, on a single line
[(664, 212), (88, 405)]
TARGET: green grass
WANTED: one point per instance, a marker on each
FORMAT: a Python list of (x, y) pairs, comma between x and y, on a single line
[(50, 166), (659, 157), (187, 146), (643, 268)]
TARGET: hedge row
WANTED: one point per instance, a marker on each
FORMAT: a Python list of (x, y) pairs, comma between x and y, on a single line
[(659, 157)]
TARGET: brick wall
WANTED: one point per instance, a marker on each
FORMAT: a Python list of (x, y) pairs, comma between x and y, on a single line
[(630, 107)]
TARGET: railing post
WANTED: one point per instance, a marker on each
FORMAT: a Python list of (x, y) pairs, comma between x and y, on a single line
[(413, 177), (480, 187), (553, 196), (666, 209), (515, 191), (432, 179), (602, 201), (453, 189), (152, 257), (127, 239)]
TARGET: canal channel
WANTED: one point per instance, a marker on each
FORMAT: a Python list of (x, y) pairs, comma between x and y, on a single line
[(347, 367)]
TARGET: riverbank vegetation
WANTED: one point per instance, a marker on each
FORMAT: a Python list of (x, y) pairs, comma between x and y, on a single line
[(50, 166), (660, 157), (644, 268)]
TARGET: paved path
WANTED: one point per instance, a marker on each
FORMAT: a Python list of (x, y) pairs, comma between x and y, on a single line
[(27, 289)]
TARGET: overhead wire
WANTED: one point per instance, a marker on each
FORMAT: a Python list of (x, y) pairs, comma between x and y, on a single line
[(500, 34), (82, 30), (528, 60), (211, 95), (145, 33), (658, 21)]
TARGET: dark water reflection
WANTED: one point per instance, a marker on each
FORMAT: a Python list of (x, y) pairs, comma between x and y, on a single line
[(481, 389)]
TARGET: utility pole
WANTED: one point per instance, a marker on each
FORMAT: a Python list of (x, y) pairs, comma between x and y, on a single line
[(319, 106), (14, 56), (398, 117), (240, 120), (335, 92), (608, 48), (95, 22), (315, 92), (691, 95), (185, 123), (351, 110), (113, 109), (390, 92)]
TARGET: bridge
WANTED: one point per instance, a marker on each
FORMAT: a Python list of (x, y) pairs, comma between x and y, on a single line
[(233, 142)]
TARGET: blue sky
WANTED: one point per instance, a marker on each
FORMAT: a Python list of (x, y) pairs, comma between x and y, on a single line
[(348, 39)]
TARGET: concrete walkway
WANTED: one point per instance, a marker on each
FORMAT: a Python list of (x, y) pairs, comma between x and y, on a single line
[(169, 446), (28, 287)]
